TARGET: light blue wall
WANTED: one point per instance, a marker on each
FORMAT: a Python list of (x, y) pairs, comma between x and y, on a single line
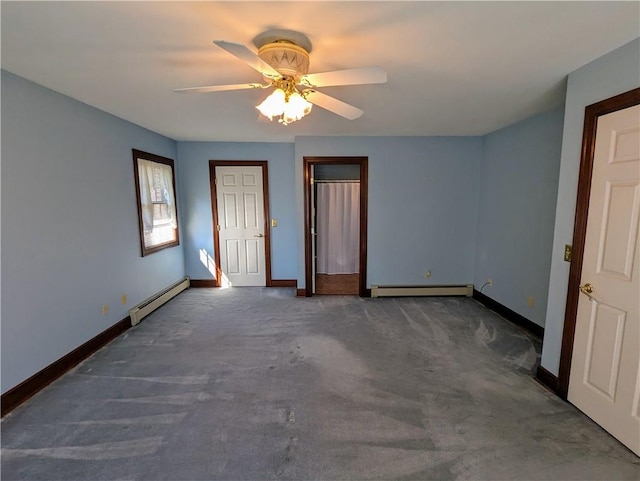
[(70, 238), (423, 198), (609, 75), (519, 182), (195, 197)]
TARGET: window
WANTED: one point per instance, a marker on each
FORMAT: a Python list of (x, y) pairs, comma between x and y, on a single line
[(155, 193)]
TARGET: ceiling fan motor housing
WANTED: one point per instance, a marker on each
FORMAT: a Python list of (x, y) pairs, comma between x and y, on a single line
[(287, 58)]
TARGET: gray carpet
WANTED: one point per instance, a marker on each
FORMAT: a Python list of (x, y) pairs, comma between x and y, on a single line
[(255, 384)]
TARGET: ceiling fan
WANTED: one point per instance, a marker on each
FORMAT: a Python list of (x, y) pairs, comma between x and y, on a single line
[(283, 61)]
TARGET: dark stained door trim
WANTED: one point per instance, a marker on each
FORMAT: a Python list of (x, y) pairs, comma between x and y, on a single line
[(363, 162)]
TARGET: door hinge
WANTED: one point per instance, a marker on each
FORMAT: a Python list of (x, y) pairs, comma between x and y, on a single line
[(311, 181), (218, 226), (568, 248)]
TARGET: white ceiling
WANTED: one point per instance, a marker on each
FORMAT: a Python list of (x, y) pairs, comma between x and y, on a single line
[(454, 68)]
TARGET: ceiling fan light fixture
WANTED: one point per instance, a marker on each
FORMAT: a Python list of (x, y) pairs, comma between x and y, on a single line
[(283, 61), (273, 105), (285, 102), (296, 107)]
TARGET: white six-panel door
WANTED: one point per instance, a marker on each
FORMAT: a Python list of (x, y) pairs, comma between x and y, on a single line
[(240, 204), (605, 368)]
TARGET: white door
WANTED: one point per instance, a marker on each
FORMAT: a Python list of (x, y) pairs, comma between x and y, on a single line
[(241, 226), (605, 368)]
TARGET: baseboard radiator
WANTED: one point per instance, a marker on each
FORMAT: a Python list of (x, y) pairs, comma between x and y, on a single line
[(416, 291), (147, 306)]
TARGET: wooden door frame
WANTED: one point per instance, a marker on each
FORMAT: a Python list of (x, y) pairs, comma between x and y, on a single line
[(363, 162), (214, 210), (591, 115)]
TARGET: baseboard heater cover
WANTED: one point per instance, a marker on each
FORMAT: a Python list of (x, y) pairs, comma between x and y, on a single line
[(397, 291), (149, 305)]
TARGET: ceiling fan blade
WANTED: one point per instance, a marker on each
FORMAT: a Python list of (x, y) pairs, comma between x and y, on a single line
[(333, 105), (219, 88), (250, 58), (352, 76)]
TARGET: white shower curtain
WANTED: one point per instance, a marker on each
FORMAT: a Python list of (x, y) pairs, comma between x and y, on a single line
[(338, 227)]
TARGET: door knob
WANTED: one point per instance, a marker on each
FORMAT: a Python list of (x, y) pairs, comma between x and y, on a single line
[(587, 289), (258, 235)]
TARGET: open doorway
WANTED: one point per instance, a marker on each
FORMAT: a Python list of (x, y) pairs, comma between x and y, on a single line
[(335, 225)]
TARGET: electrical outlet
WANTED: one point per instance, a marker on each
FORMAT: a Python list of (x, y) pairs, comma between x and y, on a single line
[(490, 282), (105, 309), (531, 301), (123, 299), (427, 274)]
